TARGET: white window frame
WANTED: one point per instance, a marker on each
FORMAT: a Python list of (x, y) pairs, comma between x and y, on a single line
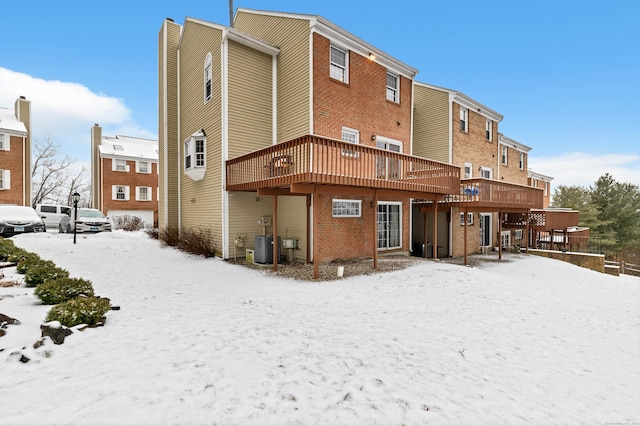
[(505, 239), (352, 136), (195, 156), (517, 234), (115, 191), (486, 172), (346, 208), (139, 167), (464, 119), (339, 71), (504, 155), (119, 165), (469, 218), (489, 131), (522, 161), (468, 166), (5, 142), (546, 188), (399, 222), (207, 78), (5, 179), (393, 92), (139, 193)]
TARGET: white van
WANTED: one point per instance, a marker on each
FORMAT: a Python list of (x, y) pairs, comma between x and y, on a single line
[(51, 214)]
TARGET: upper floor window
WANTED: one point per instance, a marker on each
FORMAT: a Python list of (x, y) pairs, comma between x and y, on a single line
[(346, 208), (521, 164), (143, 193), (486, 172), (339, 61), (207, 78), (351, 136), (505, 151), (392, 88), (195, 156), (489, 130), (464, 119), (119, 165), (120, 192), (468, 170), (546, 188), (5, 179), (4, 142), (143, 167)]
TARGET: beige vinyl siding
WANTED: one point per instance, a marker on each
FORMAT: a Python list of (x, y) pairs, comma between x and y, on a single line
[(292, 37), (168, 173), (292, 223), (245, 209), (250, 99), (431, 125), (201, 200)]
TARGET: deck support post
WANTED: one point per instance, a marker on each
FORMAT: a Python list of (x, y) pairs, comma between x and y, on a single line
[(375, 229), (434, 244), (500, 234), (466, 261), (316, 216), (276, 247)]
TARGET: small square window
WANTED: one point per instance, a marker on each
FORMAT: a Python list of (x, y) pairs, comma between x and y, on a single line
[(143, 167), (468, 170)]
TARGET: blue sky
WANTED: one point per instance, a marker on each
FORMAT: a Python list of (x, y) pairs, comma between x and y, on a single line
[(563, 73)]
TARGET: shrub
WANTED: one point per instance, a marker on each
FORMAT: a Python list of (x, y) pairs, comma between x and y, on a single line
[(39, 274), (18, 254), (198, 241), (57, 291), (32, 261), (128, 223), (153, 233), (6, 249), (81, 310), (170, 236)]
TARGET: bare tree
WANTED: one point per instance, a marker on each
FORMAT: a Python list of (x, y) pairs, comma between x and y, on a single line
[(51, 175), (80, 184)]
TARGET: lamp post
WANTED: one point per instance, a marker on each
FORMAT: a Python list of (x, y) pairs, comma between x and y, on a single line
[(75, 197)]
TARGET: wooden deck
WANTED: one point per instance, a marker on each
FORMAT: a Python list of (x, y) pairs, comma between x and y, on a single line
[(317, 160), (490, 195)]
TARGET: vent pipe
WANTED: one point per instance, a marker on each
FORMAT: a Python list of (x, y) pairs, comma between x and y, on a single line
[(231, 13)]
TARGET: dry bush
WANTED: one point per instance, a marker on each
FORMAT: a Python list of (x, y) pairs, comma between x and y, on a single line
[(128, 223), (198, 241), (170, 236)]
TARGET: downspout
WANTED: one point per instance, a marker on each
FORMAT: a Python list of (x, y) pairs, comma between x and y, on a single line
[(165, 160), (224, 63), (24, 171), (179, 143)]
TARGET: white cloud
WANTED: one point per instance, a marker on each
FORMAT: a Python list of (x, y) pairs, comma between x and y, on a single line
[(583, 169), (65, 111)]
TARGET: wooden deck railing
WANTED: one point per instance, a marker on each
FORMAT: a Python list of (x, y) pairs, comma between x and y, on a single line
[(312, 159), (550, 219), (493, 194)]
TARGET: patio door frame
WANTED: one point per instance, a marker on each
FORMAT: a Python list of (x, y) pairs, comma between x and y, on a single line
[(389, 225)]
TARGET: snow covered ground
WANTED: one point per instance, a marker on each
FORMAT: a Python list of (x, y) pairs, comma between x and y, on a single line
[(200, 341)]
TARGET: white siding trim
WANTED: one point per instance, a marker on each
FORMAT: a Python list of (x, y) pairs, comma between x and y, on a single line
[(225, 141)]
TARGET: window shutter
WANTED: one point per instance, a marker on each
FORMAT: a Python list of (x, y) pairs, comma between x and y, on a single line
[(126, 192), (114, 192), (6, 179), (137, 193), (126, 168), (114, 164)]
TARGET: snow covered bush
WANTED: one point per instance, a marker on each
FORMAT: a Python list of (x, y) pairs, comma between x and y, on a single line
[(38, 274), (31, 261), (7, 249), (57, 291), (81, 310)]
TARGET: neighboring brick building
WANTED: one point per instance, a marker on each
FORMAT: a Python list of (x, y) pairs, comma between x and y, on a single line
[(15, 154), (451, 126), (538, 180), (124, 176)]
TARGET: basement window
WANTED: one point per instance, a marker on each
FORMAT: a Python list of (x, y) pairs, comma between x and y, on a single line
[(346, 208)]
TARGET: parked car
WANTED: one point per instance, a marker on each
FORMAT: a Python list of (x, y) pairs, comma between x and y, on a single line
[(52, 214), (89, 220), (19, 220)]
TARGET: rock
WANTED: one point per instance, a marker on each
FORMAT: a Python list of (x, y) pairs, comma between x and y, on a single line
[(7, 319), (55, 331), (2, 332)]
